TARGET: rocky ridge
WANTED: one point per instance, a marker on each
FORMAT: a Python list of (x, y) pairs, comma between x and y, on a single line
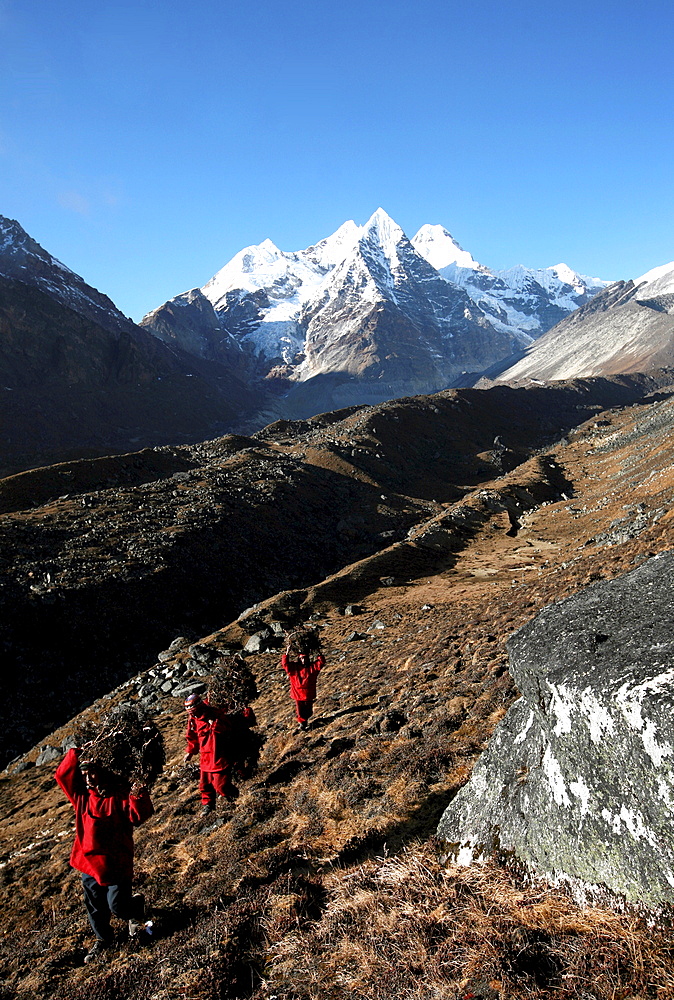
[(23, 259), (628, 326), (518, 300)]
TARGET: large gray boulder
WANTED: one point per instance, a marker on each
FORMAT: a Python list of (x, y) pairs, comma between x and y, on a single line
[(577, 782)]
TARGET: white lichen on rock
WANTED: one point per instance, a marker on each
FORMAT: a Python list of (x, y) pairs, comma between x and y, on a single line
[(578, 780)]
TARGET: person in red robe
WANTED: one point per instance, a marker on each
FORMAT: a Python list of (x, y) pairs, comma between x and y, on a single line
[(106, 812), (212, 733), (303, 670)]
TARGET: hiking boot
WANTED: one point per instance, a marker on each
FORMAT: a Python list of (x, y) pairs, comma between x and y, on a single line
[(207, 810), (137, 921), (98, 952)]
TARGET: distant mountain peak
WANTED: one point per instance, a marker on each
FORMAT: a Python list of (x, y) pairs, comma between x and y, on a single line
[(437, 245), (383, 228)]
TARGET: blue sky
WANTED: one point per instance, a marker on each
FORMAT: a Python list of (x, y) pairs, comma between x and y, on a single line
[(144, 144)]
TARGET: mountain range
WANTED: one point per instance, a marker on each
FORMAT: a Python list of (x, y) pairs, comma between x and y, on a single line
[(363, 316), (366, 314)]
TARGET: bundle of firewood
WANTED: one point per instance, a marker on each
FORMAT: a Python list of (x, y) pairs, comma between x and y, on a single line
[(304, 641), (126, 743), (232, 684)]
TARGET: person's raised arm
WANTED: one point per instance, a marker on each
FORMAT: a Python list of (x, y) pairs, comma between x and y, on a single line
[(69, 776)]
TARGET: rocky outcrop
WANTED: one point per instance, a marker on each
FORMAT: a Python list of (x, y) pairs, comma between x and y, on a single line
[(578, 781)]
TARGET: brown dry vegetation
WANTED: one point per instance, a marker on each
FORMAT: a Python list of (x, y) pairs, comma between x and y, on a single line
[(324, 880)]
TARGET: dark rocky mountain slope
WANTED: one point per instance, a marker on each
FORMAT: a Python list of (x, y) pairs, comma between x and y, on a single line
[(78, 378), (70, 387)]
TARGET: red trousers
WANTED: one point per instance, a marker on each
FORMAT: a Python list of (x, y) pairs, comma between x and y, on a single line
[(212, 783), (304, 709)]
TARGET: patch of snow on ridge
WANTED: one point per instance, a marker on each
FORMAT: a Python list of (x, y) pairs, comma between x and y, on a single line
[(436, 245), (657, 281), (562, 272), (289, 279)]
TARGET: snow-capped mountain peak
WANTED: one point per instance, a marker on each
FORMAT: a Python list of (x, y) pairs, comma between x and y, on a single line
[(657, 281), (439, 248), (380, 228), (367, 298), (579, 282), (333, 249)]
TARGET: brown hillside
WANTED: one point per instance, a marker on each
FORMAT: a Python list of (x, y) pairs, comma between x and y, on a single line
[(323, 880)]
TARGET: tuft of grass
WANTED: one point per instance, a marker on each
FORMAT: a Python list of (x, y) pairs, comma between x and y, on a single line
[(406, 927)]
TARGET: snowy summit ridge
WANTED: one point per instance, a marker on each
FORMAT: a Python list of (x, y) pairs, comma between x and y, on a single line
[(368, 302)]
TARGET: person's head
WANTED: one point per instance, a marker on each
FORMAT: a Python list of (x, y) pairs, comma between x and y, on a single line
[(93, 773), (194, 705)]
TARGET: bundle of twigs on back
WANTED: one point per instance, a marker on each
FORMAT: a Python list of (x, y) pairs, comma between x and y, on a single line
[(304, 641), (232, 687), (126, 743), (232, 684)]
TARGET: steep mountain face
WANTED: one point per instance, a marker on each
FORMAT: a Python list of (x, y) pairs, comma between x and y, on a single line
[(370, 313), (628, 327), (22, 258), (77, 378), (519, 300), (396, 320)]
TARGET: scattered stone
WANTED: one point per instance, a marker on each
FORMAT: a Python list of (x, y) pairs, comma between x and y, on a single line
[(198, 687), (352, 609), (387, 581), (23, 765), (46, 755), (203, 654), (261, 642)]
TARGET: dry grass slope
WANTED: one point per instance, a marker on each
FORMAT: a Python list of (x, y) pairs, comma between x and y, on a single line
[(324, 881)]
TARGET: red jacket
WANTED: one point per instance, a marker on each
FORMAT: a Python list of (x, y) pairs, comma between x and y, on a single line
[(302, 674), (103, 846), (210, 735)]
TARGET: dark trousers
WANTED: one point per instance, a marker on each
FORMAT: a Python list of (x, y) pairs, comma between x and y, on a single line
[(304, 709), (102, 901)]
